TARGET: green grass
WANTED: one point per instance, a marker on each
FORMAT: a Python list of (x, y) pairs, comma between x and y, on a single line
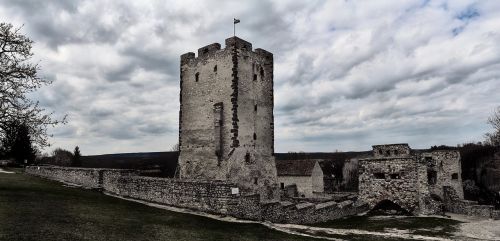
[(36, 209)]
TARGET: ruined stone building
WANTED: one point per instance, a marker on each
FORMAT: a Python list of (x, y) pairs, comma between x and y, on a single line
[(409, 178), (226, 123)]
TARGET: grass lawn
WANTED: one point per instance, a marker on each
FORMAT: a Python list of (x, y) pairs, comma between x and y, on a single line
[(32, 208)]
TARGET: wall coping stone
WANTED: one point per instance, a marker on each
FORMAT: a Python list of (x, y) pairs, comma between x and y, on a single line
[(326, 204), (304, 205)]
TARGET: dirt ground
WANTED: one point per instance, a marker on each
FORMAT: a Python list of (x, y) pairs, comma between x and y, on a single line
[(477, 228)]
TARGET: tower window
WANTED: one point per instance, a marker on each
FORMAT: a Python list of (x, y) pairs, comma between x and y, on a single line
[(261, 72), (215, 68), (255, 107), (247, 158), (431, 177), (254, 136), (395, 176), (255, 180), (197, 76), (454, 176), (254, 77)]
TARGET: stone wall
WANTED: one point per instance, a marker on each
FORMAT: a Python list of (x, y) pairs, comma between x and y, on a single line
[(391, 150), (217, 197), (454, 204), (393, 179), (85, 177), (413, 179), (447, 168)]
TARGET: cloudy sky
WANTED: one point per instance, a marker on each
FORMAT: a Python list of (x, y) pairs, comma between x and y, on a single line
[(348, 74)]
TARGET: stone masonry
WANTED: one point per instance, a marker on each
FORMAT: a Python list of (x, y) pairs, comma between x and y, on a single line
[(226, 123), (210, 196), (412, 179)]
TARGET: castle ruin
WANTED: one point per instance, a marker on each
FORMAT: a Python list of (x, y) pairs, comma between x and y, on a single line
[(226, 123), (412, 179), (227, 165)]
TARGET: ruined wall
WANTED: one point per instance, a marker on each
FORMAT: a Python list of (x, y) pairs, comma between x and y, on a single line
[(226, 123), (217, 197), (207, 196), (85, 177), (391, 150), (394, 179), (447, 170), (454, 204)]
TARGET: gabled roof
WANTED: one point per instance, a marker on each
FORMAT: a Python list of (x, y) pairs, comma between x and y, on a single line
[(295, 167)]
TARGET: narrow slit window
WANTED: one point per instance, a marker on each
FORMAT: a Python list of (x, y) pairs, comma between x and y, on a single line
[(215, 68), (247, 158), (255, 107), (261, 73), (254, 77), (197, 77), (254, 136), (255, 180), (431, 177), (395, 176)]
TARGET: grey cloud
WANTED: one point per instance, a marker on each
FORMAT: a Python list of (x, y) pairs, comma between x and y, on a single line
[(390, 73)]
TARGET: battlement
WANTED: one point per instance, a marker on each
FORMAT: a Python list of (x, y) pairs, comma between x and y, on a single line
[(391, 150), (208, 50), (264, 53), (186, 57), (235, 42), (232, 42)]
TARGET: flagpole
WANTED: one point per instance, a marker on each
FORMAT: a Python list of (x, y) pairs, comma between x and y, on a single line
[(235, 21)]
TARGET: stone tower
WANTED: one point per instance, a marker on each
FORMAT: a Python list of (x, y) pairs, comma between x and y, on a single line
[(226, 123)]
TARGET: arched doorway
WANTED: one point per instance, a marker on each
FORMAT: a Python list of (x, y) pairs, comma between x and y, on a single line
[(388, 207)]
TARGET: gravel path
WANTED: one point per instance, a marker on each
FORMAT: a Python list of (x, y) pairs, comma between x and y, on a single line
[(3, 171), (475, 228)]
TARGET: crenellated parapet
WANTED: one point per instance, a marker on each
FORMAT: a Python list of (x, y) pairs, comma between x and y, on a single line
[(230, 44)]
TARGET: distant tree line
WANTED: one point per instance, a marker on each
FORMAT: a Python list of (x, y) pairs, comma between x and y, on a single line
[(61, 157)]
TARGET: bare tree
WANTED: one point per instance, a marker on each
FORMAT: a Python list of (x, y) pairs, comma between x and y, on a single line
[(494, 120), (18, 77), (61, 157)]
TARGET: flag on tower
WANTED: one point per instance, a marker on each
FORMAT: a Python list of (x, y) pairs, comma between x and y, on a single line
[(236, 21)]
